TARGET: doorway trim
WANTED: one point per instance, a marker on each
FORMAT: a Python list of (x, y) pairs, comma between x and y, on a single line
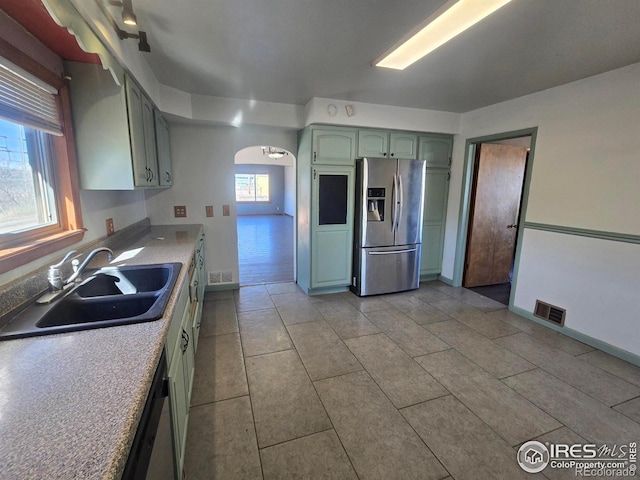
[(465, 201)]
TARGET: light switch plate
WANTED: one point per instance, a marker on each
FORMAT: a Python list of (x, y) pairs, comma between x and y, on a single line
[(179, 211), (110, 227), (209, 210), (225, 211)]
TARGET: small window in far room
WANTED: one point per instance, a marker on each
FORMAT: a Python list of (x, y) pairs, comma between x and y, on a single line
[(252, 187)]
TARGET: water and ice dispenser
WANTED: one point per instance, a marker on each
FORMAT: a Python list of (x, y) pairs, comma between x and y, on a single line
[(375, 204)]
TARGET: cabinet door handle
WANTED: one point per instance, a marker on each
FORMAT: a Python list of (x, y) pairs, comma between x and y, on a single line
[(168, 176), (151, 175), (384, 154), (185, 337), (393, 154), (315, 156)]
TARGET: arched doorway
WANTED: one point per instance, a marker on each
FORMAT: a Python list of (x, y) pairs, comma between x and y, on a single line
[(265, 183)]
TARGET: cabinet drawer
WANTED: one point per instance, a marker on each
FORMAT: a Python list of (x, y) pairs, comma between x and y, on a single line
[(173, 334)]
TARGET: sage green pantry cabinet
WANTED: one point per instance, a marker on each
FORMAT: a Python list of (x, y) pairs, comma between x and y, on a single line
[(383, 143), (181, 346), (436, 150), (326, 159), (115, 131)]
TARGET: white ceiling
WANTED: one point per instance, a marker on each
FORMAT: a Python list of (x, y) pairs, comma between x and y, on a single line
[(289, 51)]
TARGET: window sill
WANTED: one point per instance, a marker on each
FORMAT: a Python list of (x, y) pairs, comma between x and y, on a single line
[(11, 258)]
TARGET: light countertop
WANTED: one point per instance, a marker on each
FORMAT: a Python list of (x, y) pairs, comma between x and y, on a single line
[(70, 403)]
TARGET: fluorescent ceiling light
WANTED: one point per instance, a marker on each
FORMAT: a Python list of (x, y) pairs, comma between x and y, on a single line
[(453, 18)]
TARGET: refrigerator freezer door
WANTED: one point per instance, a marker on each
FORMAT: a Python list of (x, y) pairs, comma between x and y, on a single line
[(411, 175), (388, 269), (376, 177)]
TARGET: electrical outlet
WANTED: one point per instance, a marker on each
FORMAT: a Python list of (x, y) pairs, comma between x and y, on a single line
[(179, 211), (110, 228), (225, 211), (209, 210)]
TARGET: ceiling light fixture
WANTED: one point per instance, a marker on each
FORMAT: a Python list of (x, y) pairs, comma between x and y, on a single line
[(453, 18), (273, 152)]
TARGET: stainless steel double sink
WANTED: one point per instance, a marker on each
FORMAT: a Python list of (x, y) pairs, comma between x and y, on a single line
[(107, 297)]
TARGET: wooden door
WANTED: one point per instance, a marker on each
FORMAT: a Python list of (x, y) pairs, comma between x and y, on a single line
[(498, 178)]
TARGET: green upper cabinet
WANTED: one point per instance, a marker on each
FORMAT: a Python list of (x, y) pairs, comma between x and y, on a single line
[(114, 129), (436, 150), (383, 143), (165, 173), (403, 145), (333, 146), (373, 143)]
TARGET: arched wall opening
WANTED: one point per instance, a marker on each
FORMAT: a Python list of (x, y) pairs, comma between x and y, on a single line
[(265, 189)]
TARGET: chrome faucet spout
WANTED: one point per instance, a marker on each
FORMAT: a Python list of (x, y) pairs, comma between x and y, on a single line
[(78, 271)]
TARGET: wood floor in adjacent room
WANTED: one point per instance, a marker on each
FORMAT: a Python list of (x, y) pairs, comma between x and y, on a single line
[(265, 249)]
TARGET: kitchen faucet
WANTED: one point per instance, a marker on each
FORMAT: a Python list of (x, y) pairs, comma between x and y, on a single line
[(57, 286), (54, 275), (77, 270)]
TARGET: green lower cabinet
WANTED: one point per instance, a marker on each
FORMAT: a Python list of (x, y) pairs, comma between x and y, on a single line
[(331, 258), (179, 408), (181, 342), (433, 224)]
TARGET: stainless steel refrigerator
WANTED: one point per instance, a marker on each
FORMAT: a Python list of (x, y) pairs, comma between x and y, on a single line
[(388, 225)]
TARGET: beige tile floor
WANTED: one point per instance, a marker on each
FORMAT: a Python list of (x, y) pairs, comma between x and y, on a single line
[(435, 383)]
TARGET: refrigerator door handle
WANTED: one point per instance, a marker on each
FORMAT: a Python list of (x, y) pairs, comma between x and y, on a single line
[(395, 203), (400, 202), (393, 252)]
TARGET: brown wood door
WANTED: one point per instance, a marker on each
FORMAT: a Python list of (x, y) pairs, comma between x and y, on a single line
[(498, 177)]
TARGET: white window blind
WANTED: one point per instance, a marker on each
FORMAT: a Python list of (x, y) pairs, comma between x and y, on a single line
[(28, 102)]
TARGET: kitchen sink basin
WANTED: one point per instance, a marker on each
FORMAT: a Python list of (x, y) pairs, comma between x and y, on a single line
[(108, 297), (125, 280), (72, 311)]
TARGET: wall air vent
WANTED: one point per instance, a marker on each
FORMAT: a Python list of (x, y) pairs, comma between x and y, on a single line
[(550, 313), (220, 277)]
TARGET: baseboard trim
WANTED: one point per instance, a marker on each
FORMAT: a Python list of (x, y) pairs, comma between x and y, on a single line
[(221, 287), (581, 337), (326, 290), (447, 280), (428, 277)]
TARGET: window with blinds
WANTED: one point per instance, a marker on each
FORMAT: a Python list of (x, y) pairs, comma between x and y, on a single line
[(27, 100), (29, 117)]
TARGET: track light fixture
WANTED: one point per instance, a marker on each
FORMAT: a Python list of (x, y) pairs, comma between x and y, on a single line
[(143, 45), (128, 18)]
